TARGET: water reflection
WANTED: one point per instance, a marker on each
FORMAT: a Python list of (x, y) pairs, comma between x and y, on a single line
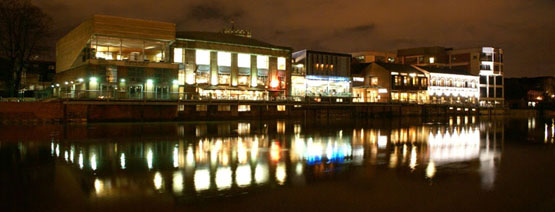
[(235, 157)]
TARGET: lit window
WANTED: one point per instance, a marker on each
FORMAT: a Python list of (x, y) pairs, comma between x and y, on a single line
[(202, 108), (244, 60), (262, 62), (244, 108), (224, 108), (374, 81), (224, 59), (181, 107), (281, 108), (203, 57), (432, 59), (243, 80), (281, 63), (178, 55)]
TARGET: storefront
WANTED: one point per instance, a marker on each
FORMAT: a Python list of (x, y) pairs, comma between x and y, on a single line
[(232, 93), (328, 86)]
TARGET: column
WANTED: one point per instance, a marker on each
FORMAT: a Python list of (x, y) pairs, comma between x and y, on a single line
[(234, 69)]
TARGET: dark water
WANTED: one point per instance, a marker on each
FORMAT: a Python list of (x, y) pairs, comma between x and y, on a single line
[(450, 164)]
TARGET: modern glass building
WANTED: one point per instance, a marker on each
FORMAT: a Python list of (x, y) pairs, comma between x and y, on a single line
[(115, 57)]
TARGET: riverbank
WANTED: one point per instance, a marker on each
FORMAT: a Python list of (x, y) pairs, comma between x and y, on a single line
[(119, 111)]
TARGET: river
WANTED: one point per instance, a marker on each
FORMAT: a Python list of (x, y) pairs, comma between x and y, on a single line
[(461, 163)]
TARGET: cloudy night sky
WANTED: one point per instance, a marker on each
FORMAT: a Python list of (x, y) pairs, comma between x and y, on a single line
[(524, 29)]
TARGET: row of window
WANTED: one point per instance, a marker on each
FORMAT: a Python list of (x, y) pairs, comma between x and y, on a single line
[(491, 79), (489, 92), (202, 58), (410, 81), (451, 83)]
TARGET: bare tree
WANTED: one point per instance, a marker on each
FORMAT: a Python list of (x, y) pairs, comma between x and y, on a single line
[(23, 30)]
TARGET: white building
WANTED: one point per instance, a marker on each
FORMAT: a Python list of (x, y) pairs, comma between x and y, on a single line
[(451, 86)]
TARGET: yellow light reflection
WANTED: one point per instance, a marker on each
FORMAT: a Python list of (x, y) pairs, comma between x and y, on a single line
[(190, 157), (202, 179), (149, 158), (177, 182), (261, 173), (299, 169), (430, 169), (81, 159), (275, 151), (93, 162), (281, 173), (223, 178), (98, 186), (412, 162), (158, 181), (243, 175), (176, 156), (122, 160)]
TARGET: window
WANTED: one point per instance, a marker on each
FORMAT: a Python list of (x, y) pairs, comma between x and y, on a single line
[(202, 57), (483, 92), (499, 80), (244, 108), (178, 55), (202, 108), (224, 107), (244, 64), (223, 79), (423, 82), (499, 92), (262, 65), (243, 80), (483, 80), (181, 108), (224, 63), (281, 63), (397, 80), (374, 81), (432, 59), (490, 94), (281, 108)]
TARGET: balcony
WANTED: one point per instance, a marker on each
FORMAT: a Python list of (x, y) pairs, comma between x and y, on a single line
[(145, 64)]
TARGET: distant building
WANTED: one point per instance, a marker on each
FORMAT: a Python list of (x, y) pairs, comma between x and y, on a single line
[(530, 92), (317, 73), (487, 62), (37, 76), (374, 56)]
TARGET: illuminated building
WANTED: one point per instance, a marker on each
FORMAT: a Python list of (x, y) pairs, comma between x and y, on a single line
[(115, 57), (226, 66), (451, 86), (321, 74), (388, 82), (487, 62)]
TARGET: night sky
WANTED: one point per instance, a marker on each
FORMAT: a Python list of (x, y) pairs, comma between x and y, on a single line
[(524, 29)]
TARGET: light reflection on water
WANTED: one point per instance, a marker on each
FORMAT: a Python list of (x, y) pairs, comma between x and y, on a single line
[(236, 157)]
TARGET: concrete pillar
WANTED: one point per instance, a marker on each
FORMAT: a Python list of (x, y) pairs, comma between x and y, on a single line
[(254, 71), (213, 68), (234, 69), (272, 73)]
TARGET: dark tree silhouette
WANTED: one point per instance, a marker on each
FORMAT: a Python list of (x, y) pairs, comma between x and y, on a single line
[(23, 30)]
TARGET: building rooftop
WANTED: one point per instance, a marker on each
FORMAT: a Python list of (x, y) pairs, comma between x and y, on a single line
[(224, 38), (358, 68), (445, 70), (402, 68)]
